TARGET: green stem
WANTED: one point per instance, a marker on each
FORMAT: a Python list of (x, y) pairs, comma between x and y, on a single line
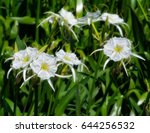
[(142, 9), (28, 8), (37, 20), (15, 97), (28, 100), (78, 101), (1, 7), (36, 102), (50, 106), (15, 102), (96, 33)]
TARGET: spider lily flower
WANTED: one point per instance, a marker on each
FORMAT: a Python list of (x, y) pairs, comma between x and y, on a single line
[(113, 19), (45, 67), (64, 18), (22, 59), (67, 18), (70, 59), (89, 18), (118, 49)]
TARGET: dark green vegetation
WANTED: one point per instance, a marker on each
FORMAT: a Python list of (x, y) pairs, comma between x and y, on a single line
[(97, 92)]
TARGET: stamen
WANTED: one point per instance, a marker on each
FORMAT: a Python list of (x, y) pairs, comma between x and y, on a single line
[(118, 48), (45, 66)]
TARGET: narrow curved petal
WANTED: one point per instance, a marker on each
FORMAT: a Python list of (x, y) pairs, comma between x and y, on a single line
[(19, 73), (120, 30), (27, 80), (24, 74), (51, 84), (45, 20), (85, 66), (96, 51), (11, 58), (124, 67), (73, 73), (9, 72), (63, 76), (74, 34), (49, 12), (59, 64), (138, 56), (106, 62)]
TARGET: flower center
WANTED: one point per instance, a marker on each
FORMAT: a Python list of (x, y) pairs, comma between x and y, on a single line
[(118, 48), (67, 58), (44, 66), (26, 59)]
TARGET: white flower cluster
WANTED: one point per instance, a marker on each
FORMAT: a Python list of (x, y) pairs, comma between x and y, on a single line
[(66, 18), (45, 66), (42, 64)]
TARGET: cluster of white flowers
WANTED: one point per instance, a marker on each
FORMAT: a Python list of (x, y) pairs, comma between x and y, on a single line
[(66, 18), (43, 65)]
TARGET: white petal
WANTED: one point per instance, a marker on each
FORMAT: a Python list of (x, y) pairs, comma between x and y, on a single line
[(45, 20), (44, 75), (120, 30), (79, 6), (9, 72), (19, 73), (124, 67), (73, 73), (138, 56), (59, 64), (24, 74), (96, 51), (106, 62), (51, 84), (63, 76), (49, 12), (116, 57), (27, 80), (85, 66), (11, 58), (74, 34)]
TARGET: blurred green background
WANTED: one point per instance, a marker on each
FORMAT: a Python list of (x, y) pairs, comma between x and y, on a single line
[(97, 92)]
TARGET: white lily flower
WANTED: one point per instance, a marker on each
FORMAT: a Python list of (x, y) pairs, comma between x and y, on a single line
[(113, 19), (22, 59), (118, 49), (45, 67), (64, 18), (67, 17), (89, 18), (70, 59)]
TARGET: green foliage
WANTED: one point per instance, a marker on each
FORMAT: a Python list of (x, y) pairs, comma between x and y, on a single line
[(97, 91)]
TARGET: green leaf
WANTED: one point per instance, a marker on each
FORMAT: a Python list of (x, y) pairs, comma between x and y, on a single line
[(116, 110), (24, 20), (20, 44), (61, 106), (43, 48), (142, 98), (14, 30), (11, 107), (137, 29), (135, 105)]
